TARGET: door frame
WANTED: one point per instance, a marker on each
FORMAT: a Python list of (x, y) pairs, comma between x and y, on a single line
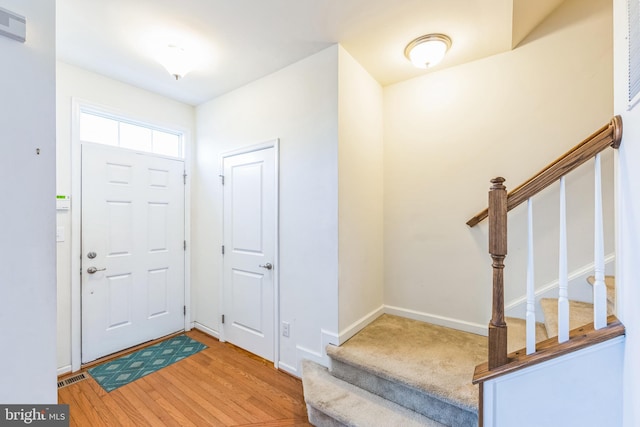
[(78, 106), (275, 144)]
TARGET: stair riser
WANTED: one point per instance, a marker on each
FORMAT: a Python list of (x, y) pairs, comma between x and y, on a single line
[(320, 419), (408, 397)]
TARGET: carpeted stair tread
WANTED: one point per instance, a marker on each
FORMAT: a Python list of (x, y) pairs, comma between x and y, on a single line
[(517, 333), (580, 313), (610, 283), (432, 359), (333, 402)]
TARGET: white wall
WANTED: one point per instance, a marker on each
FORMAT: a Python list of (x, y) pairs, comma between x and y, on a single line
[(128, 100), (628, 276), (27, 249), (447, 133), (360, 197), (298, 105), (559, 392)]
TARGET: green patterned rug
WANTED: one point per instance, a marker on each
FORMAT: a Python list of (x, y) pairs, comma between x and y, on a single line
[(130, 367)]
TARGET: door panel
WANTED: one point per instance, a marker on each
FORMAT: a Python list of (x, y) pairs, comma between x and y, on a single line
[(249, 236), (133, 220), (248, 289)]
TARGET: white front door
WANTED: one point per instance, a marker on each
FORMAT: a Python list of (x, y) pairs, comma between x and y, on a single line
[(132, 249), (249, 258)]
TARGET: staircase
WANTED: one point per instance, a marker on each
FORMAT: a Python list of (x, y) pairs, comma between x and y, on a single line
[(402, 372), (397, 372)]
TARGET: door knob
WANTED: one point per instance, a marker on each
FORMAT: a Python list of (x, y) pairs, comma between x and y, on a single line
[(268, 266), (92, 270)]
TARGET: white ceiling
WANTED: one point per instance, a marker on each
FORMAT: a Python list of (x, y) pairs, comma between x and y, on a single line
[(243, 40)]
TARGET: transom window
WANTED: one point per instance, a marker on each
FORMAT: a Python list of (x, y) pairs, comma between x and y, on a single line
[(108, 130)]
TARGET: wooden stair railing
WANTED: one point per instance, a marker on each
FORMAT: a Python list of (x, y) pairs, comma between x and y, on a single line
[(609, 135), (500, 203)]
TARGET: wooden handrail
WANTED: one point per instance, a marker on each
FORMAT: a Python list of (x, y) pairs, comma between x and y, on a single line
[(608, 135)]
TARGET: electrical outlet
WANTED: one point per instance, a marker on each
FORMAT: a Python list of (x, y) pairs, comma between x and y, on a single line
[(285, 329)]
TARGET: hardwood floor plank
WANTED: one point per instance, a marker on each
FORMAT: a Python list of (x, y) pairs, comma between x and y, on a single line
[(180, 404), (99, 404), (134, 408), (114, 409), (223, 403), (85, 406), (235, 394), (77, 415), (258, 381), (201, 404), (145, 399), (222, 385), (253, 369), (175, 413)]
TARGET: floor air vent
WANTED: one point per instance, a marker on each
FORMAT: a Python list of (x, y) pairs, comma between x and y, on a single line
[(71, 380)]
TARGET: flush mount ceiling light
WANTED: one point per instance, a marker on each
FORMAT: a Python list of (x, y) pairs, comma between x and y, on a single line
[(427, 51), (176, 60)]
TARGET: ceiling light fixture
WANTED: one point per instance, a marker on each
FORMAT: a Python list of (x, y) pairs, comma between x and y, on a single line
[(176, 60), (427, 51)]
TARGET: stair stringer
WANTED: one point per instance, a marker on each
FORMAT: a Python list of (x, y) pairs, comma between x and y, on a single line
[(580, 388)]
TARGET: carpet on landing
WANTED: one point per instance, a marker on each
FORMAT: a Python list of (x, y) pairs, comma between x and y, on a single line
[(428, 357)]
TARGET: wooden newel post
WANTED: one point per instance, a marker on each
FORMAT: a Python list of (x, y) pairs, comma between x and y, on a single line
[(498, 251)]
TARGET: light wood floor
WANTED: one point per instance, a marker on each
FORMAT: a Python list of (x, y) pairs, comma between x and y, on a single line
[(219, 386)]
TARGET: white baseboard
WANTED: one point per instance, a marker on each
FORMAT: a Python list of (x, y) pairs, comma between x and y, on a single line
[(64, 370), (306, 353), (207, 330), (462, 325), (288, 369), (320, 357), (328, 338), (359, 324)]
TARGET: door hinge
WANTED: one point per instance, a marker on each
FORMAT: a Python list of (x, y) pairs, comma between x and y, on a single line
[(221, 179), (184, 310), (185, 245), (223, 319), (222, 249), (184, 177)]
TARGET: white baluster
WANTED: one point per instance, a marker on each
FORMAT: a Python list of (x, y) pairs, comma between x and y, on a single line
[(563, 294), (599, 288), (531, 295)]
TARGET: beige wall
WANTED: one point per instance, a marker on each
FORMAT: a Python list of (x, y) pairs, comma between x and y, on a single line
[(299, 106), (73, 82), (447, 133), (360, 198), (376, 184)]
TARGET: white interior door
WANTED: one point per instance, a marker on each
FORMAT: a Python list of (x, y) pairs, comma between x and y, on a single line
[(132, 249), (249, 257)]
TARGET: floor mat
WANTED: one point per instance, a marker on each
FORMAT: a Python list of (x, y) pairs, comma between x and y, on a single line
[(130, 367)]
